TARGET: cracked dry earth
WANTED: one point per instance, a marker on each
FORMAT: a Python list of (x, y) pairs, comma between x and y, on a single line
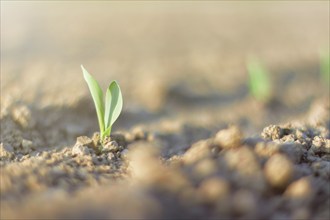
[(282, 174)]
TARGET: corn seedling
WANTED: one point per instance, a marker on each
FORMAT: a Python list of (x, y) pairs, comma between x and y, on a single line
[(107, 110), (259, 83), (325, 67)]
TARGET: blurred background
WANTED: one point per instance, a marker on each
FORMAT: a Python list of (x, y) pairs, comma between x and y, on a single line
[(176, 62)]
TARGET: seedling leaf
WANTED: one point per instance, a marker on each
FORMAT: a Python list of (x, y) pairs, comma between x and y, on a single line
[(113, 104), (325, 67), (259, 83), (108, 112), (97, 96)]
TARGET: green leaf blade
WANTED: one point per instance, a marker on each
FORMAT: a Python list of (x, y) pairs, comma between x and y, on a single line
[(113, 104), (325, 67), (97, 96), (259, 82)]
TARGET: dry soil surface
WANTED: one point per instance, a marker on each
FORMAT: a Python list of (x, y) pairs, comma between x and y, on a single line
[(191, 143)]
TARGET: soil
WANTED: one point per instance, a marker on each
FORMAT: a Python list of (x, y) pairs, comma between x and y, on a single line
[(191, 143)]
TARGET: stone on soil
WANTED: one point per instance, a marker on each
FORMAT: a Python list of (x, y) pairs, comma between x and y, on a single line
[(278, 170), (229, 138)]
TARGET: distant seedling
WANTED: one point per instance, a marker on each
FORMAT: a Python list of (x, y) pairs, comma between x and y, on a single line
[(259, 82), (107, 110), (325, 67)]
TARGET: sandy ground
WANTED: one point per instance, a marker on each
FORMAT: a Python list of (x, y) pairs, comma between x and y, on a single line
[(191, 142)]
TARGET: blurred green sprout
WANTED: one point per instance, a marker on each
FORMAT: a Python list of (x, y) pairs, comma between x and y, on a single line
[(259, 82), (325, 66), (108, 109)]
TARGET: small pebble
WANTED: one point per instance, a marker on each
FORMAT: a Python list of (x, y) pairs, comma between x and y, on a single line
[(229, 138), (278, 170), (300, 189), (213, 189), (197, 151), (242, 160)]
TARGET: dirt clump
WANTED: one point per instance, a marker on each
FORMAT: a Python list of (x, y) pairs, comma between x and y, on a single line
[(279, 170)]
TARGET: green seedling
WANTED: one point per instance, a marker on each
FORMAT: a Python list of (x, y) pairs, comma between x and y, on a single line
[(325, 67), (259, 82), (107, 110)]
